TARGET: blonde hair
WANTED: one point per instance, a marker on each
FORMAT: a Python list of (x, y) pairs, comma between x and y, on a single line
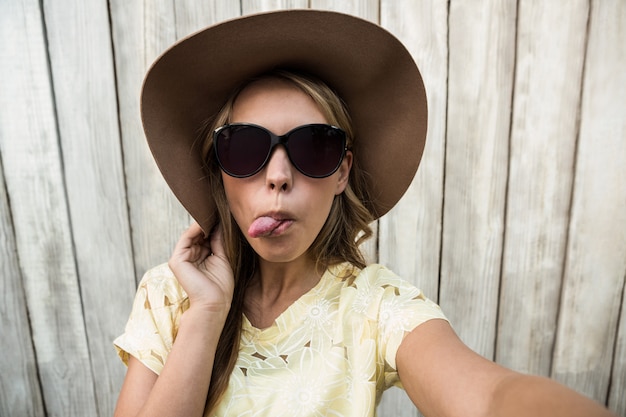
[(346, 227)]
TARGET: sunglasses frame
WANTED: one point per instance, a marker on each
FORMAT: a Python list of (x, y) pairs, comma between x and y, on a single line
[(276, 140)]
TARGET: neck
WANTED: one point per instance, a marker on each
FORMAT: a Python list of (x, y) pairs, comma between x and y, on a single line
[(288, 276), (276, 286)]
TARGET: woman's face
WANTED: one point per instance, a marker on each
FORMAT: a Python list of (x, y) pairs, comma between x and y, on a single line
[(280, 210)]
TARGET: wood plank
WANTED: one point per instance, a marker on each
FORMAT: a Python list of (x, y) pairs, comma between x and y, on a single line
[(550, 57), (86, 108), (615, 12), (257, 6), (366, 9), (410, 234), (617, 399), (192, 15), (34, 180), (596, 250), (20, 391), (482, 45), (141, 31)]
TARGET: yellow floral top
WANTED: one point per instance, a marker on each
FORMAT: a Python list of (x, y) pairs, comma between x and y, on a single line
[(332, 352)]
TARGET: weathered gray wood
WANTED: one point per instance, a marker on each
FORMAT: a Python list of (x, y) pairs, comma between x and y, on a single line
[(550, 55), (366, 9), (617, 399), (482, 48), (142, 31), (257, 6), (596, 250), (20, 391), (86, 109), (192, 15), (34, 180), (613, 99), (410, 234)]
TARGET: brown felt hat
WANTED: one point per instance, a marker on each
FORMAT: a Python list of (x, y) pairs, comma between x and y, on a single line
[(367, 66)]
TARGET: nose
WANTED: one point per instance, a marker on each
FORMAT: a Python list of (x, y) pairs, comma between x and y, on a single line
[(279, 171)]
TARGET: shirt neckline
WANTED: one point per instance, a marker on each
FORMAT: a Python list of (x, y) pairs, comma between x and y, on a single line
[(285, 322)]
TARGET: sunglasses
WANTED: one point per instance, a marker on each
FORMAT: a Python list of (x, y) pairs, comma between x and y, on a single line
[(243, 149)]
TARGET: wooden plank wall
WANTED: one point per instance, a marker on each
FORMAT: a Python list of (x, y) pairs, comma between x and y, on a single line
[(515, 223)]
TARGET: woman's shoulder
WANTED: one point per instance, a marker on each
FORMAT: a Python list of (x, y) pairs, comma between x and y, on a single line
[(161, 288), (374, 277), (380, 294)]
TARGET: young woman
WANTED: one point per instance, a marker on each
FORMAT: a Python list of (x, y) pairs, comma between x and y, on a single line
[(266, 306)]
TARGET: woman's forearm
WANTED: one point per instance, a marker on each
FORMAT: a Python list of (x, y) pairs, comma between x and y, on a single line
[(181, 388), (523, 395)]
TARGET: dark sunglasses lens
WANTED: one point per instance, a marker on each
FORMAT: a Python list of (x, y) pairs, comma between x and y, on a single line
[(242, 150), (316, 150)]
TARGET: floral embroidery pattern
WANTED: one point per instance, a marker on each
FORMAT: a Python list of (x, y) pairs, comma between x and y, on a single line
[(332, 352)]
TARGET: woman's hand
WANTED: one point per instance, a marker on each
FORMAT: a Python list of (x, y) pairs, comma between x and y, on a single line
[(202, 269)]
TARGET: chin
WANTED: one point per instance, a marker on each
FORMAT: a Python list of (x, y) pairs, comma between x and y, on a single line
[(279, 257), (271, 250)]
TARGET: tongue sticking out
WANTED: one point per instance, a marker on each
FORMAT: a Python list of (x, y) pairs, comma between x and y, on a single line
[(263, 226)]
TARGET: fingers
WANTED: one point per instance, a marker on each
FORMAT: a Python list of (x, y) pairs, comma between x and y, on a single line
[(191, 246), (195, 247), (202, 268), (217, 242), (194, 233)]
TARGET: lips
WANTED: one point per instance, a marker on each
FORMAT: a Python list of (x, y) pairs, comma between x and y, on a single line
[(265, 226)]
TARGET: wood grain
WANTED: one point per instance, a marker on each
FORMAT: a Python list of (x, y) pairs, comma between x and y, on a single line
[(549, 66), (410, 234), (33, 171), (87, 116), (20, 390), (482, 52), (258, 6), (141, 31), (596, 250)]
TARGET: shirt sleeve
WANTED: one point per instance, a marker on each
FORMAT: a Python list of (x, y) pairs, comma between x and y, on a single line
[(401, 308), (154, 319)]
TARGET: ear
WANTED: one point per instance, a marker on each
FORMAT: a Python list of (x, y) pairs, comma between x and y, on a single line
[(344, 173)]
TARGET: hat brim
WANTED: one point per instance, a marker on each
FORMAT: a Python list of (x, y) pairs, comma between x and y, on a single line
[(367, 66)]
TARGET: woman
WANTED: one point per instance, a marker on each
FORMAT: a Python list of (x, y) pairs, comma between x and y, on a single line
[(266, 306)]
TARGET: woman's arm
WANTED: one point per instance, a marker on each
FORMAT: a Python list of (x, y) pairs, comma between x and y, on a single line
[(181, 389), (443, 377), (182, 386)]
